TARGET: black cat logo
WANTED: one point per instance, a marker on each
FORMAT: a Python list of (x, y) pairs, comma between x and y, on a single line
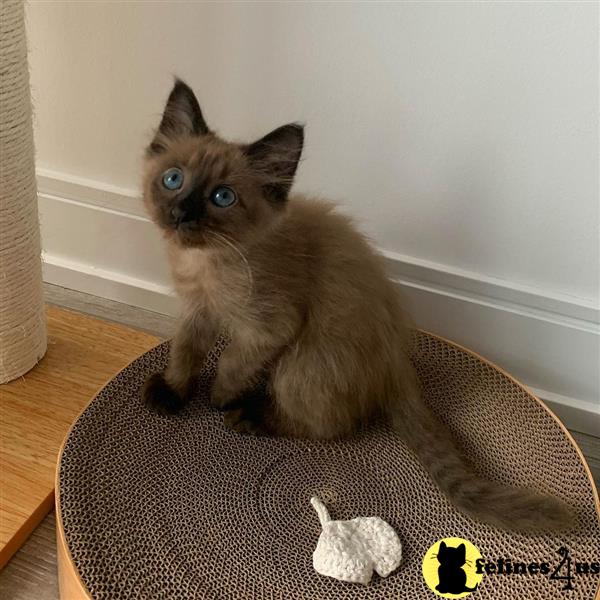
[(449, 568), (452, 576)]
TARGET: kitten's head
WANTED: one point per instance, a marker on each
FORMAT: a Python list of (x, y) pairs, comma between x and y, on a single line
[(199, 188), (451, 556)]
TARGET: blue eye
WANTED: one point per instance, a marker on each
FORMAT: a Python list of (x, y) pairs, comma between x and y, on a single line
[(223, 197), (172, 179)]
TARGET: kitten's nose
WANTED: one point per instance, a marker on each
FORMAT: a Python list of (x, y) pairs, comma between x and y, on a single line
[(189, 210), (177, 214)]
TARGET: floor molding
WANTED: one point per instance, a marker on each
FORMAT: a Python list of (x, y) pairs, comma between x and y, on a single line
[(109, 284)]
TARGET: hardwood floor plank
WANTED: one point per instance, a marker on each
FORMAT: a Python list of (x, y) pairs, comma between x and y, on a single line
[(589, 445), (31, 574), (162, 326)]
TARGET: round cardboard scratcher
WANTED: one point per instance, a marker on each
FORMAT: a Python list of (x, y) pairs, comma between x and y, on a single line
[(181, 507)]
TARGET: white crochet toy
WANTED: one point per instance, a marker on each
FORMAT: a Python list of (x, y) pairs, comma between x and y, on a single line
[(351, 550)]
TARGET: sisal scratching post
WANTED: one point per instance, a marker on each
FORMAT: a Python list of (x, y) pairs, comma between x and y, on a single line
[(22, 323)]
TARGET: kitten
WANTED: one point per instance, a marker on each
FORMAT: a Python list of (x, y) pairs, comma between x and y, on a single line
[(307, 305)]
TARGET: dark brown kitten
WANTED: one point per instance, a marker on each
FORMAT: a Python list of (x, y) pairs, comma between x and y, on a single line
[(306, 302)]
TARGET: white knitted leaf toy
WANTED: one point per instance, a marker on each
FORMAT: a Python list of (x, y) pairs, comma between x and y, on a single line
[(351, 550)]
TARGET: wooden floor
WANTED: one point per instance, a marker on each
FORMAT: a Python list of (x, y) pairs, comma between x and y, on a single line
[(37, 409), (31, 574)]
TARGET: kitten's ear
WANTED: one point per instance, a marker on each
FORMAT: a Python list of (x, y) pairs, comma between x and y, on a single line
[(462, 550), (276, 156), (182, 116), (442, 546)]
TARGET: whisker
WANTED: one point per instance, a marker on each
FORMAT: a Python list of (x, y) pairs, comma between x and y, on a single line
[(232, 245)]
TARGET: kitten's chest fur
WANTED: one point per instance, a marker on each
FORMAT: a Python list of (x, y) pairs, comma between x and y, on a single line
[(205, 282), (194, 272)]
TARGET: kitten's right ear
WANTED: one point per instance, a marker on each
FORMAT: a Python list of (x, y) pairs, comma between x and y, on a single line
[(182, 116), (442, 546)]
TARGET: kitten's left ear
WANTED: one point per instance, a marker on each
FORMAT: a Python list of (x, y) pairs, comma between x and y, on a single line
[(182, 116), (276, 156)]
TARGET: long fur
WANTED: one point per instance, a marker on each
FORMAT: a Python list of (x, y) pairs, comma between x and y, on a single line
[(308, 307)]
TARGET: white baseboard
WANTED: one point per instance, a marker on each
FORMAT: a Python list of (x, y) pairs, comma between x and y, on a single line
[(109, 284), (97, 240)]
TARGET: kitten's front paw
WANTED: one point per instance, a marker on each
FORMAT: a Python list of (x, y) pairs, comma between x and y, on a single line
[(222, 399), (239, 420), (160, 397)]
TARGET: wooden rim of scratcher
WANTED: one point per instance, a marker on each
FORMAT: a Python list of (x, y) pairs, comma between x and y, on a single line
[(437, 361), (22, 320)]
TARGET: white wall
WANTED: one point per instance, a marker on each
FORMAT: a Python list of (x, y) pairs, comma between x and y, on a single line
[(463, 137)]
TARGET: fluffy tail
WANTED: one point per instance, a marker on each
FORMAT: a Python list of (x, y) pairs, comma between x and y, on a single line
[(503, 506)]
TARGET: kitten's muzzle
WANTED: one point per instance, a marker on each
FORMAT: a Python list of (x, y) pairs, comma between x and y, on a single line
[(187, 213)]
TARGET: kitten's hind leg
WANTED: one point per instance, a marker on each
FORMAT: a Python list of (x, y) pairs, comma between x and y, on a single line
[(248, 412), (239, 420), (239, 371)]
